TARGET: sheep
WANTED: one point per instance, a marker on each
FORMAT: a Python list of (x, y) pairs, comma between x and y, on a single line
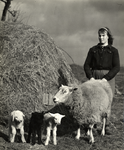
[(16, 121), (39, 122), (35, 127), (90, 103), (50, 123)]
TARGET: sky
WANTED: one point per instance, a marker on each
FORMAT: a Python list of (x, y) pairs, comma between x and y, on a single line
[(74, 24)]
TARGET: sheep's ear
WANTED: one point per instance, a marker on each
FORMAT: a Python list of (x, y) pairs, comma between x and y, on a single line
[(23, 114), (75, 89), (43, 112), (52, 114), (72, 89), (63, 116), (13, 115)]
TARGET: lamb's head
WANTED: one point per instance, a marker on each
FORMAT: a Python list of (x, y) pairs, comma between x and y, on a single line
[(17, 116), (57, 117), (63, 94)]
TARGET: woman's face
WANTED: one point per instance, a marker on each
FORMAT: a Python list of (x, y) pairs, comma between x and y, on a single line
[(103, 38)]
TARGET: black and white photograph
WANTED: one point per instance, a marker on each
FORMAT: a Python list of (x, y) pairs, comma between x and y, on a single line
[(61, 75)]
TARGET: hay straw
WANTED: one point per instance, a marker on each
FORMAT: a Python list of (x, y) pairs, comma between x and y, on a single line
[(30, 65)]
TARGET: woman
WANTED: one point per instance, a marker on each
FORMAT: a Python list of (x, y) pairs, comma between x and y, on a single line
[(102, 61)]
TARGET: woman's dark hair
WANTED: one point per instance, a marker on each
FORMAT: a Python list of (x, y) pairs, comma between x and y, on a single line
[(110, 40)]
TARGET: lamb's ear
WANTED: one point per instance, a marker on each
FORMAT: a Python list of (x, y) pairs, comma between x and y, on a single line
[(43, 112), (51, 114), (63, 116), (13, 115)]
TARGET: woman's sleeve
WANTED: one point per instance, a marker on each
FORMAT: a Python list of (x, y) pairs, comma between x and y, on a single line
[(87, 67), (116, 66)]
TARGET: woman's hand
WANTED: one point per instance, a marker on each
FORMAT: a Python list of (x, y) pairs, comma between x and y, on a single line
[(92, 78), (104, 79)]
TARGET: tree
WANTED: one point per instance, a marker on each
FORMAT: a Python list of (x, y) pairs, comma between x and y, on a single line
[(6, 8)]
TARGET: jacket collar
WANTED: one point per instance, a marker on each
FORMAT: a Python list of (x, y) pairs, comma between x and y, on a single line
[(99, 46)]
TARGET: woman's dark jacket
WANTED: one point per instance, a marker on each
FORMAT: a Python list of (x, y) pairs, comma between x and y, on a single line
[(106, 58)]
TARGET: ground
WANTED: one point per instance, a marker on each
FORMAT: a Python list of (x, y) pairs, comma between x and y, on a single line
[(114, 140)]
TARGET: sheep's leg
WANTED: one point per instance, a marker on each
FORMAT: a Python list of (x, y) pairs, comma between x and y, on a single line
[(91, 133), (13, 134), (88, 132), (78, 133), (29, 135), (34, 136), (22, 134), (48, 135), (39, 136), (54, 135), (29, 132), (9, 132), (103, 127)]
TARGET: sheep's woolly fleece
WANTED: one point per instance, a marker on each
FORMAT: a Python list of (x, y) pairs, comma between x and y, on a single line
[(91, 101)]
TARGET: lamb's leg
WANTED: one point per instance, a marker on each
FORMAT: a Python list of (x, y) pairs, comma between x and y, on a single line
[(22, 134), (48, 135), (39, 136), (103, 127), (9, 132), (34, 136), (54, 135), (29, 135), (13, 134), (29, 132), (88, 132), (91, 133), (78, 134)]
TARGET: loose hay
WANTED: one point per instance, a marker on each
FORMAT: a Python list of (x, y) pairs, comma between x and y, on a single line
[(31, 65)]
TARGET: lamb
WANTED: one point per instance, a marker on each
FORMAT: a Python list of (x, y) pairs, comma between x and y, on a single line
[(39, 122), (16, 121), (50, 123), (90, 103), (35, 127)]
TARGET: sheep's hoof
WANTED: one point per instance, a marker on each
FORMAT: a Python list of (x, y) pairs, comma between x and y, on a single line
[(91, 141), (39, 142), (45, 144), (88, 133), (77, 138), (102, 134), (28, 141)]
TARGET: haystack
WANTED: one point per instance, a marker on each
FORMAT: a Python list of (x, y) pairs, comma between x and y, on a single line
[(32, 67)]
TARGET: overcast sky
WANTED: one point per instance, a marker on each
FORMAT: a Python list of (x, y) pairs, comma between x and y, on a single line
[(73, 24)]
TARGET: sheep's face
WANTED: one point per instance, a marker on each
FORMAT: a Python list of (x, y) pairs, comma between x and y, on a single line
[(17, 116), (63, 94), (58, 117)]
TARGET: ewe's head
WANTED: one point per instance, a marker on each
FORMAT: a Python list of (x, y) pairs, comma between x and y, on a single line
[(63, 94)]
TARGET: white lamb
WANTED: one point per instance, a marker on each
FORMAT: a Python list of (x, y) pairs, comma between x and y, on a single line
[(50, 123), (16, 121), (90, 103)]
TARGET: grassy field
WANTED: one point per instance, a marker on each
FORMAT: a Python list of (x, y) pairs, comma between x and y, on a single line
[(66, 140)]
